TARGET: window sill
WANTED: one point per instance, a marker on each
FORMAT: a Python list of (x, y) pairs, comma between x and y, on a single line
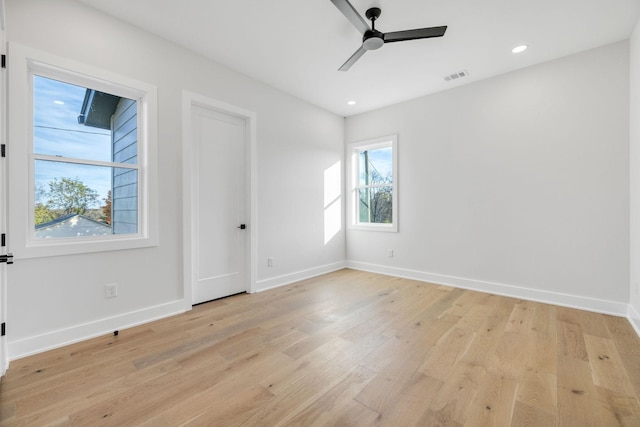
[(73, 246), (389, 228)]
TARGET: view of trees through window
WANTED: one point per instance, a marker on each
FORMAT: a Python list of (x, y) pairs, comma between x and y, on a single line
[(375, 186), (85, 161), (70, 196)]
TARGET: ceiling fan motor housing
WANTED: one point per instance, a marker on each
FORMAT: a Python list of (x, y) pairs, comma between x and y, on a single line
[(372, 40)]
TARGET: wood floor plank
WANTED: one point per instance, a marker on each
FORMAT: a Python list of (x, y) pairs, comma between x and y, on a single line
[(538, 389), (525, 414), (383, 389), (336, 401), (590, 323), (521, 318), (409, 407), (616, 409), (283, 376), (578, 403), (232, 410), (349, 348), (453, 401), (541, 352), (421, 335), (293, 400), (493, 404), (475, 318), (607, 369), (571, 340), (628, 345), (437, 419), (544, 320), (508, 357), (131, 405), (445, 356), (350, 413)]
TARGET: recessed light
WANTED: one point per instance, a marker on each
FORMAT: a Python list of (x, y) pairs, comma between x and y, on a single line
[(351, 102), (519, 49)]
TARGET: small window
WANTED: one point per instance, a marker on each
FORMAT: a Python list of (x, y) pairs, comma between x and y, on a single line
[(83, 157), (374, 184)]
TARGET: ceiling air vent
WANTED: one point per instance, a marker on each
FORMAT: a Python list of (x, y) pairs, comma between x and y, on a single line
[(455, 76)]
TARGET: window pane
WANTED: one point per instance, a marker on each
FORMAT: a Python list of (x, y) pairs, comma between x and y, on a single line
[(375, 205), (77, 122), (74, 200), (375, 166), (125, 201)]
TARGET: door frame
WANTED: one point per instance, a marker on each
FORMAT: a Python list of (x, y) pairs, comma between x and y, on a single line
[(4, 345), (189, 100)]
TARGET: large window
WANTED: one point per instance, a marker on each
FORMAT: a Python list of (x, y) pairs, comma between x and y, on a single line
[(373, 181), (85, 156), (90, 153)]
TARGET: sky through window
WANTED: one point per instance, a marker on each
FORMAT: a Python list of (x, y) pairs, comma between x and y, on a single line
[(56, 132)]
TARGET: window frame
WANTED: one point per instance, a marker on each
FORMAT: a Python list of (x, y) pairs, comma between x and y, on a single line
[(27, 62), (353, 150)]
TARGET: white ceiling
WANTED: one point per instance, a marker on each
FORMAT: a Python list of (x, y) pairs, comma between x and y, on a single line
[(298, 45)]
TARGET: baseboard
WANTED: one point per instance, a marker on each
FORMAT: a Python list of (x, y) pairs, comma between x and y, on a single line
[(62, 337), (5, 364), (634, 318), (566, 300), (287, 279)]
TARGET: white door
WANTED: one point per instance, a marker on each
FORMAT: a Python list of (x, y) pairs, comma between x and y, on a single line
[(219, 194)]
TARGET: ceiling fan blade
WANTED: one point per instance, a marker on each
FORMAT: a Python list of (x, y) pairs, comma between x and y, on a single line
[(352, 15), (420, 33), (353, 59)]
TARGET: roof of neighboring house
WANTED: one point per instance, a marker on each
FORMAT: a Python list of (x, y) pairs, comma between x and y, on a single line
[(72, 225), (97, 109)]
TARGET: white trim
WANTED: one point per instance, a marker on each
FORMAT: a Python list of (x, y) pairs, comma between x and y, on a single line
[(287, 279), (4, 353), (3, 19), (189, 99), (62, 159), (565, 300), (24, 61), (634, 318), (62, 337)]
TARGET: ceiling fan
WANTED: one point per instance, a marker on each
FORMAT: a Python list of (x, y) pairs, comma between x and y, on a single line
[(373, 39)]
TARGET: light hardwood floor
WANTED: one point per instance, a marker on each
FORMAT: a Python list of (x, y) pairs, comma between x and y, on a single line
[(345, 349)]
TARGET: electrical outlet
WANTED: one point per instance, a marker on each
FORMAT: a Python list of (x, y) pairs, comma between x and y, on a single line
[(111, 290), (270, 262), (390, 253)]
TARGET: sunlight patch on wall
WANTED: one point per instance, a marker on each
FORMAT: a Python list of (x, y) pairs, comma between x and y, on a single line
[(332, 202)]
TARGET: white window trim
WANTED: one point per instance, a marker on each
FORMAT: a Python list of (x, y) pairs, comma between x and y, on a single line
[(352, 182), (24, 63)]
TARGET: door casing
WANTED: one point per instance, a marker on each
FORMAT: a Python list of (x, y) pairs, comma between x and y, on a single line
[(4, 351), (189, 100)]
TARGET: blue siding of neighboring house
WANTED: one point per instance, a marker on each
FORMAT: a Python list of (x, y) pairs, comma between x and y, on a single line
[(124, 198)]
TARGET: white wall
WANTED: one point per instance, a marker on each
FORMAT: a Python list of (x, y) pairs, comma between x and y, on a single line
[(57, 300), (517, 184), (634, 162)]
